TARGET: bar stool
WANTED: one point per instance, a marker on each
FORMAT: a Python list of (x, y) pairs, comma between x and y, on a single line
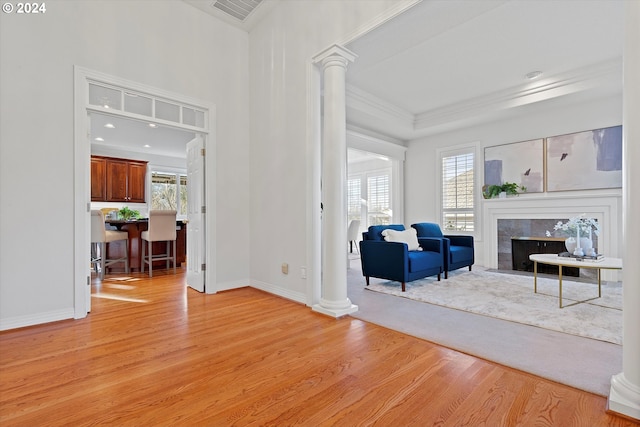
[(100, 237), (162, 228)]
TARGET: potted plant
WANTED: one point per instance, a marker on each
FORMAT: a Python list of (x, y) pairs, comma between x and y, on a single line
[(508, 188), (128, 214), (581, 227)]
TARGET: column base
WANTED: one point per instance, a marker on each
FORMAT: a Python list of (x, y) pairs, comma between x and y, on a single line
[(624, 397), (335, 312)]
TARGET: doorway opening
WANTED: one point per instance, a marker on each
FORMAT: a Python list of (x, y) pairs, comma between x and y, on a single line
[(98, 98), (163, 152), (374, 191)]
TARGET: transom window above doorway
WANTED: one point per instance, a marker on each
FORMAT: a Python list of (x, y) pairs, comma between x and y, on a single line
[(108, 98)]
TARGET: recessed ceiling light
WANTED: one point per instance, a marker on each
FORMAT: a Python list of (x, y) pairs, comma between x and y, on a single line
[(99, 139), (147, 146), (153, 125), (533, 75), (110, 126)]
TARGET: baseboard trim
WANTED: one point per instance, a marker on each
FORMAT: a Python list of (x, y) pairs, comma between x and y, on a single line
[(36, 319), (276, 290), (227, 286)]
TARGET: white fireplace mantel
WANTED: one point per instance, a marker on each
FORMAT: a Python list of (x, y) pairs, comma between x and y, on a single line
[(606, 208)]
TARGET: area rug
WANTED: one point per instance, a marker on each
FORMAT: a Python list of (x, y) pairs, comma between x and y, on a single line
[(511, 297)]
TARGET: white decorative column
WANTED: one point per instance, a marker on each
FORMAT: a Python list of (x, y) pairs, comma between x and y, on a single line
[(334, 301), (624, 396)]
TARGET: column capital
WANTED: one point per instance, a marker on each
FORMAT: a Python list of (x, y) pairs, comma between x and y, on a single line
[(333, 52)]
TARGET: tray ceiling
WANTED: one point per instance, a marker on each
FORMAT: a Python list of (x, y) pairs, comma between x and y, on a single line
[(442, 65)]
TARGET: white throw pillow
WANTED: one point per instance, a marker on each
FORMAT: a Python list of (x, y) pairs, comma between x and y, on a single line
[(410, 237)]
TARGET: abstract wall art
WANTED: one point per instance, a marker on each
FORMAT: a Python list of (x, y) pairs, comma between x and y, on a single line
[(585, 160), (520, 162)]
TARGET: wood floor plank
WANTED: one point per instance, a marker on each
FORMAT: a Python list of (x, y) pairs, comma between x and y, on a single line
[(153, 352)]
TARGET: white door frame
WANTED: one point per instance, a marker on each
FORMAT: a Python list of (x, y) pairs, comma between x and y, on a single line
[(82, 176), (396, 154)]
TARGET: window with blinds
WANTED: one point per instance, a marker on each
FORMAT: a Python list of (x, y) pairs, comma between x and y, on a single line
[(457, 191), (169, 192), (354, 199), (379, 199), (369, 198)]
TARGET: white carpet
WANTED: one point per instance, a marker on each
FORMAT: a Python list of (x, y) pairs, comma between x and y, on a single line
[(511, 297)]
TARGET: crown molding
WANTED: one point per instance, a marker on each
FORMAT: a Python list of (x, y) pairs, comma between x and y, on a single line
[(362, 139), (360, 100), (562, 84), (475, 110), (395, 9), (368, 133)]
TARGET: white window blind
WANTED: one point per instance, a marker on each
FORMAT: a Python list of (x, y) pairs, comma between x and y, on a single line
[(457, 191), (379, 199), (354, 198)]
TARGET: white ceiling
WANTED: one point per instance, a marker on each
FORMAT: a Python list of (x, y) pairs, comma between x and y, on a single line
[(133, 135), (446, 64)]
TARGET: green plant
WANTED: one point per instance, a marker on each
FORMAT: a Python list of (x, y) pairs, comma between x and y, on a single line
[(127, 214), (511, 188)]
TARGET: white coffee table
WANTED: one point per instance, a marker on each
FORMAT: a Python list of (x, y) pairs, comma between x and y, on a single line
[(553, 259)]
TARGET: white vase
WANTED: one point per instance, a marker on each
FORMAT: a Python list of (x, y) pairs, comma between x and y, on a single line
[(571, 245), (586, 244)]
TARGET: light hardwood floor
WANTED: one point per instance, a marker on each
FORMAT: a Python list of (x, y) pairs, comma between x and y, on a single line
[(154, 353)]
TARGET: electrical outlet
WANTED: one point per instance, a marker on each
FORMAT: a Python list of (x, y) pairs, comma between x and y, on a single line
[(303, 272), (285, 268)]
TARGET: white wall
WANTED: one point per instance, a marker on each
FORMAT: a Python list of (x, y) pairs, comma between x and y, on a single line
[(281, 49), (541, 121), (165, 44)]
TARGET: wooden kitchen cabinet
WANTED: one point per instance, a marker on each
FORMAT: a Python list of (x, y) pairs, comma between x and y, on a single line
[(98, 179), (117, 177), (137, 180), (118, 180)]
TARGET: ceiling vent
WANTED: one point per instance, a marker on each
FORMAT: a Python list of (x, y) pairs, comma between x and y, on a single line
[(239, 9)]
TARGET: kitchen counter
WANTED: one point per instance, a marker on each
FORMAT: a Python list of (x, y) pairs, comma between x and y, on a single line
[(134, 228)]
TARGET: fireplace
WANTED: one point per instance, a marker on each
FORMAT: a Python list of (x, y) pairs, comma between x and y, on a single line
[(523, 247), (518, 238), (532, 215)]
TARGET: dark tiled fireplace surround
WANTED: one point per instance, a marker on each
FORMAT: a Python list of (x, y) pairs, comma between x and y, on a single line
[(508, 228)]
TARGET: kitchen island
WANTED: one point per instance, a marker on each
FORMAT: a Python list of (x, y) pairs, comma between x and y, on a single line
[(134, 229)]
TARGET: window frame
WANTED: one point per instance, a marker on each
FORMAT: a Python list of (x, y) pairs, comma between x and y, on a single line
[(469, 148), (178, 173), (363, 177), (351, 215)]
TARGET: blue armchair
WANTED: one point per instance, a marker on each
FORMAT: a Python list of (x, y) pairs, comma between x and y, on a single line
[(458, 250), (394, 261)]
